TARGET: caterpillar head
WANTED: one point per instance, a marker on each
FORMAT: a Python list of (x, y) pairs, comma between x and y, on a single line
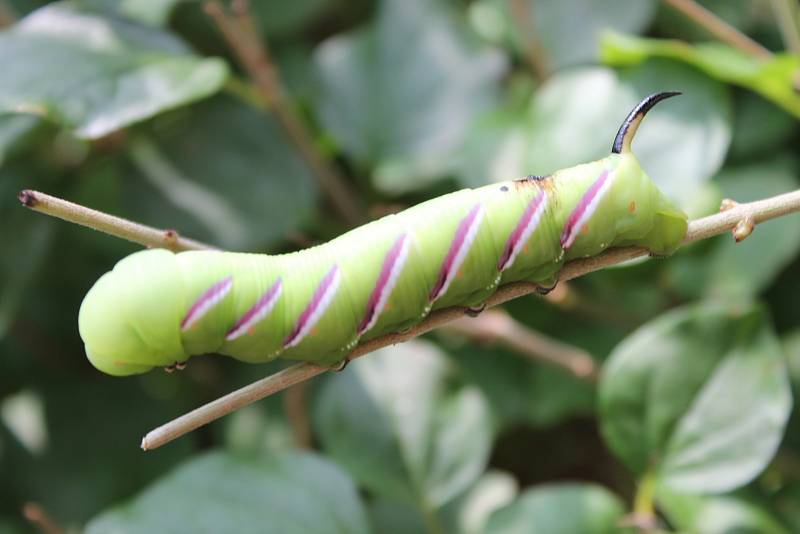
[(129, 320)]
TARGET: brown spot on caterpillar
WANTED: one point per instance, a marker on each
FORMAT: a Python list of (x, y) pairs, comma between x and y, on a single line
[(27, 198), (541, 182), (632, 207), (526, 249), (459, 274), (585, 229)]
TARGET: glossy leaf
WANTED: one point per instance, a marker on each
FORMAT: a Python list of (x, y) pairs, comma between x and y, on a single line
[(96, 75), (398, 95), (468, 513), (13, 129), (152, 12), (760, 128), (224, 173), (28, 236), (404, 426), (563, 508), (279, 18), (699, 396), (772, 78), (519, 390), (219, 492), (568, 30), (723, 514)]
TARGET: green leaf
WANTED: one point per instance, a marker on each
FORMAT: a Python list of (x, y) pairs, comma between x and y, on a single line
[(568, 30), (403, 425), (743, 270), (96, 75), (772, 78), (221, 172), (277, 18), (724, 514), (468, 513), (519, 390), (700, 396), (681, 143), (563, 508), (218, 492), (399, 95), (760, 127), (791, 347), (785, 504), (28, 235), (744, 15), (151, 12), (14, 128)]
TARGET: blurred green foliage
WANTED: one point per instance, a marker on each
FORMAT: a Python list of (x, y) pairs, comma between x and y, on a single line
[(138, 108)]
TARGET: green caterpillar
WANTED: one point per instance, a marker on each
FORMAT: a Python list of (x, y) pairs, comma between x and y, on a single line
[(156, 308)]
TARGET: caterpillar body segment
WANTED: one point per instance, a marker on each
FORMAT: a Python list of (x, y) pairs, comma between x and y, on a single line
[(156, 308)]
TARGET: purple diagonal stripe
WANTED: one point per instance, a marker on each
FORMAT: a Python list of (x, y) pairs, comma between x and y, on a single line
[(313, 313), (585, 209), (211, 297), (387, 279), (525, 227), (465, 235), (257, 313)]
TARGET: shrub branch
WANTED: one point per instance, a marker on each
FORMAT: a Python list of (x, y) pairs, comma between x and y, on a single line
[(497, 326), (706, 227), (253, 54), (730, 217), (109, 224), (719, 28)]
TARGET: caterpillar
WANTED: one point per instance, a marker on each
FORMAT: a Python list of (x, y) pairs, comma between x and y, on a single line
[(157, 308)]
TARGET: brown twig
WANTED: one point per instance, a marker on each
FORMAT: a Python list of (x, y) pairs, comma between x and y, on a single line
[(785, 12), (103, 222), (565, 297), (250, 49), (295, 406), (719, 28), (8, 16), (759, 211), (535, 53), (37, 516), (499, 327)]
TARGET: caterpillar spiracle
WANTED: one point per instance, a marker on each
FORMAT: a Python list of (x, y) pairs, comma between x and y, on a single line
[(156, 307)]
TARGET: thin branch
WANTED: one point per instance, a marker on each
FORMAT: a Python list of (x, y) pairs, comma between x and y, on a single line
[(785, 12), (254, 56), (109, 224), (535, 53), (295, 406), (37, 516), (565, 297), (719, 28), (759, 211), (8, 15), (499, 327)]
